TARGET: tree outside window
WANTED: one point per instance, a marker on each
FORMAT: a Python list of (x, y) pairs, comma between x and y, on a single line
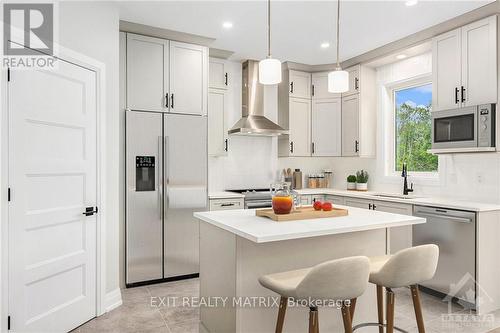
[(413, 129)]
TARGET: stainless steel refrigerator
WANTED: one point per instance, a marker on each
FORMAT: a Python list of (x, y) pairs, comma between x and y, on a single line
[(166, 170)]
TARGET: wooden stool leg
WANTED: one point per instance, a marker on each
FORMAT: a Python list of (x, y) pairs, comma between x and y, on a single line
[(390, 310), (352, 307), (313, 320), (346, 316), (418, 308), (281, 314), (380, 308)]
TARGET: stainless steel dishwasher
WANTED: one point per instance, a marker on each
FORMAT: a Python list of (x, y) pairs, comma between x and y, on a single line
[(454, 231)]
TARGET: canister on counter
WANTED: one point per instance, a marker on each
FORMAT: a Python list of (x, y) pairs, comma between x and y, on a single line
[(297, 179)]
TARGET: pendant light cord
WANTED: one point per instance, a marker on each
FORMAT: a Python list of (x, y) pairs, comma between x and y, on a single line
[(338, 31), (269, 28)]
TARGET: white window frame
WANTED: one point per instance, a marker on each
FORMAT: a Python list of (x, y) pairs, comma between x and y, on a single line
[(390, 136)]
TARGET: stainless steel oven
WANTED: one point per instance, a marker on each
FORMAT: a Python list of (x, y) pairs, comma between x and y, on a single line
[(467, 127)]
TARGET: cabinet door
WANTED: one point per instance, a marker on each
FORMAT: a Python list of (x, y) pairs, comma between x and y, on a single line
[(327, 127), (188, 78), (479, 62), (360, 203), (350, 125), (305, 199), (399, 237), (300, 84), (218, 76), (147, 73), (335, 199), (446, 71), (354, 82), (300, 127), (317, 197), (320, 86), (217, 129)]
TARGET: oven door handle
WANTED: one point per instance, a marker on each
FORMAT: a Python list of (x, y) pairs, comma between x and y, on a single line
[(259, 205)]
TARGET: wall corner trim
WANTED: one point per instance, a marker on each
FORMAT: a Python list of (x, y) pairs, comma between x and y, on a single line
[(113, 299)]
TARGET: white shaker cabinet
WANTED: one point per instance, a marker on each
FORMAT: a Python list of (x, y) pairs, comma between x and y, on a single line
[(326, 123), (319, 89), (300, 126), (359, 203), (398, 237), (217, 123), (188, 78), (464, 66), (350, 125), (299, 84), (147, 73), (354, 80), (218, 74)]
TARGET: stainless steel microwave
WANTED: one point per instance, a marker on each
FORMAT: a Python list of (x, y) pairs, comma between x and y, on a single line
[(467, 127)]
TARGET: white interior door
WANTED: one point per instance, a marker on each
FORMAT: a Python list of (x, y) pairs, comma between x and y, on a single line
[(52, 176), (327, 127)]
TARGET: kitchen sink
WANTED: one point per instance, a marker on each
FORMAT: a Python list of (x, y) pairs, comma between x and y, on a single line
[(398, 196)]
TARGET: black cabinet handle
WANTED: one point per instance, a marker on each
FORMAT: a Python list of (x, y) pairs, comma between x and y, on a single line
[(172, 102), (369, 206), (463, 93), (356, 146), (456, 96), (291, 87), (356, 83), (291, 147), (374, 207), (312, 90), (89, 211), (313, 148), (166, 100), (225, 145), (225, 79)]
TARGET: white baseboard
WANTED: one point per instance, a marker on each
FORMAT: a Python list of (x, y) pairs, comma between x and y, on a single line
[(113, 300)]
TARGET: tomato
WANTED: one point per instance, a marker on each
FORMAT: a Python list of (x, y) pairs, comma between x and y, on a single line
[(317, 205), (327, 206)]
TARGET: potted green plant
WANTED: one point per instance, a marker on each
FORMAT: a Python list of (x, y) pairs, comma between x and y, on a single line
[(362, 180), (351, 182)]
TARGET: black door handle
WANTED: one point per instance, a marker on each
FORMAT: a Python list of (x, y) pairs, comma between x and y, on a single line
[(89, 211), (291, 87), (172, 102), (225, 79), (463, 94), (225, 145), (356, 83), (166, 100), (313, 90), (456, 96), (291, 147), (374, 206), (313, 147), (369, 206), (356, 146)]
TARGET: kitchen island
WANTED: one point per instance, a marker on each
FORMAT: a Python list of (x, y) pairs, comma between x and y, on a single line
[(236, 247)]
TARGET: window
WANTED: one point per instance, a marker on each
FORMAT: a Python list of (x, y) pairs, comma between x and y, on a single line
[(412, 106)]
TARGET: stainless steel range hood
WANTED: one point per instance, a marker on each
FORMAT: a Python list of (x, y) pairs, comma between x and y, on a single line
[(253, 121)]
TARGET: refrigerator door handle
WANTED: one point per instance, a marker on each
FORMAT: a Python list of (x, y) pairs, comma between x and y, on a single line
[(166, 169), (160, 174)]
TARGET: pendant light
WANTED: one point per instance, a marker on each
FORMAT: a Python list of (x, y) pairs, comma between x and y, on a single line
[(269, 68), (338, 80)]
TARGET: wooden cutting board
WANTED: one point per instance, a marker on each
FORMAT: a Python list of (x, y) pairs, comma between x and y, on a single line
[(302, 213)]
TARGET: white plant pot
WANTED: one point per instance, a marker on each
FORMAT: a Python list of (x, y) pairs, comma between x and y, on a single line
[(351, 186), (362, 186)]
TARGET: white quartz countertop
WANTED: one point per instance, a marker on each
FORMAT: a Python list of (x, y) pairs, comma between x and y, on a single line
[(246, 224), (418, 200), (224, 195)]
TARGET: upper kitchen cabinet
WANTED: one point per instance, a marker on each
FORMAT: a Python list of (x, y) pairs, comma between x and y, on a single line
[(188, 78), (166, 76), (359, 114), (147, 73), (298, 83), (218, 74), (464, 66), (217, 122), (298, 142), (319, 89), (326, 127)]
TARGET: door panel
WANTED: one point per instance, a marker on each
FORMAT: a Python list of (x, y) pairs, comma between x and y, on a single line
[(354, 82), (327, 127), (217, 130), (446, 71), (300, 127), (300, 84), (350, 125), (320, 86), (144, 204), (185, 172), (188, 78), (52, 173), (218, 76), (479, 62), (360, 203), (147, 73)]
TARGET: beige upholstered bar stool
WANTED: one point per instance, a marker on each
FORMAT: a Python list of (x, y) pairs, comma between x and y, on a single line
[(407, 267), (341, 279)]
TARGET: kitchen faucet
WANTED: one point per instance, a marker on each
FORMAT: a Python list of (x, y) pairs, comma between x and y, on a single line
[(404, 174)]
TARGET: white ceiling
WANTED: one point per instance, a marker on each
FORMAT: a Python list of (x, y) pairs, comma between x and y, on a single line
[(298, 27)]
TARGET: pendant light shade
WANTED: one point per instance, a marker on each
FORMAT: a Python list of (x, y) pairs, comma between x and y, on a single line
[(270, 71), (338, 80), (269, 68)]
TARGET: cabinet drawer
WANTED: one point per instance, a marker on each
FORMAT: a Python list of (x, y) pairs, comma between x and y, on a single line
[(335, 199), (226, 204), (305, 199), (317, 198)]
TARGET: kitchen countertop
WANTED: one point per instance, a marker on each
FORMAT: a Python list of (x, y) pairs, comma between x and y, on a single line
[(424, 201), (224, 195), (244, 223)]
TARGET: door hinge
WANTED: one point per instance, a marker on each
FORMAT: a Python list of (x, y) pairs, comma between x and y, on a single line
[(8, 194), (8, 323), (8, 74)]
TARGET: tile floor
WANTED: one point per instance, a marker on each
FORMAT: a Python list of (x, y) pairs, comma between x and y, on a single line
[(137, 315)]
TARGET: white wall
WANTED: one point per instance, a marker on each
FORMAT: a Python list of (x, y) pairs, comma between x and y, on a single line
[(91, 28)]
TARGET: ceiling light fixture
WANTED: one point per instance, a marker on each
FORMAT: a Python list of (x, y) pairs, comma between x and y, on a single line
[(338, 80), (401, 56), (269, 68), (325, 45), (227, 25), (410, 3)]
